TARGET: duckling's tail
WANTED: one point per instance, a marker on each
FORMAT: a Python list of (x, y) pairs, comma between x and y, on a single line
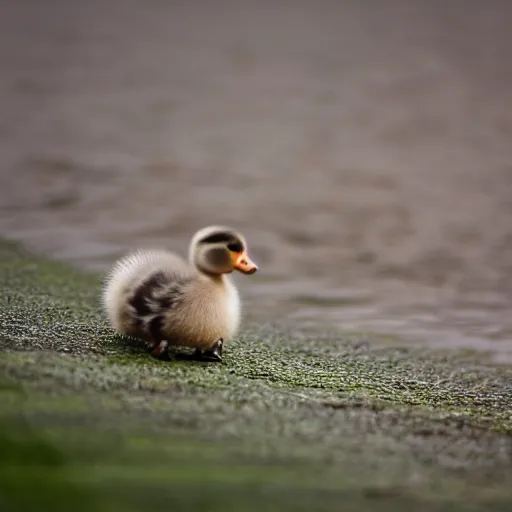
[(126, 274)]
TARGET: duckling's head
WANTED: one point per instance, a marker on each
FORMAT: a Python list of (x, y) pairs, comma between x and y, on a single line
[(217, 250)]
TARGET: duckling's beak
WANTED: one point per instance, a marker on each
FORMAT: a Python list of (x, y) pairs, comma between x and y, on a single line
[(244, 264)]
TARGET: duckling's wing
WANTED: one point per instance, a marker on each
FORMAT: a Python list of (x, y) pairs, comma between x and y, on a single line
[(159, 294)]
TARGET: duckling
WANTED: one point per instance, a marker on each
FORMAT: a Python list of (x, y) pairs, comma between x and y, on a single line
[(157, 296)]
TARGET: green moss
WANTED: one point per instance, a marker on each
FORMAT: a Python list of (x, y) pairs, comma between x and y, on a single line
[(290, 420)]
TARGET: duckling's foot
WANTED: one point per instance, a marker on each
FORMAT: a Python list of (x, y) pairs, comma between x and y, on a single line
[(160, 349), (213, 354)]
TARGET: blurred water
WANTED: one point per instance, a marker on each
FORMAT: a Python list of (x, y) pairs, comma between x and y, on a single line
[(364, 149)]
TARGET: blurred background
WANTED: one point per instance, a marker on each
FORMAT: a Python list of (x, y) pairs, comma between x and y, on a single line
[(363, 148)]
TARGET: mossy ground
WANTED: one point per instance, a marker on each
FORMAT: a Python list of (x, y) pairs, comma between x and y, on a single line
[(89, 421)]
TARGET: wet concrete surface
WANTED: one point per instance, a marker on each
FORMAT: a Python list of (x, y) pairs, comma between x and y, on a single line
[(363, 148)]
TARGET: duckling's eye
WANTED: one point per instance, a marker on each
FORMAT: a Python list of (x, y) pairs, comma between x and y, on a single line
[(235, 247)]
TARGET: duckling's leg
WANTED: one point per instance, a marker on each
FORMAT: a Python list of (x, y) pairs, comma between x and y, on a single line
[(213, 354), (158, 349)]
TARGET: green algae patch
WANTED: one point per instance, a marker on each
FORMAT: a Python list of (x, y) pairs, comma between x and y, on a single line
[(290, 421)]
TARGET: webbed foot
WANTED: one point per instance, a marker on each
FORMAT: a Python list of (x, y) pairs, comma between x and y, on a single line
[(213, 354)]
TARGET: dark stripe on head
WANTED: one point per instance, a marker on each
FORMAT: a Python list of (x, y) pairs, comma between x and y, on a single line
[(217, 238), (236, 247), (234, 244)]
